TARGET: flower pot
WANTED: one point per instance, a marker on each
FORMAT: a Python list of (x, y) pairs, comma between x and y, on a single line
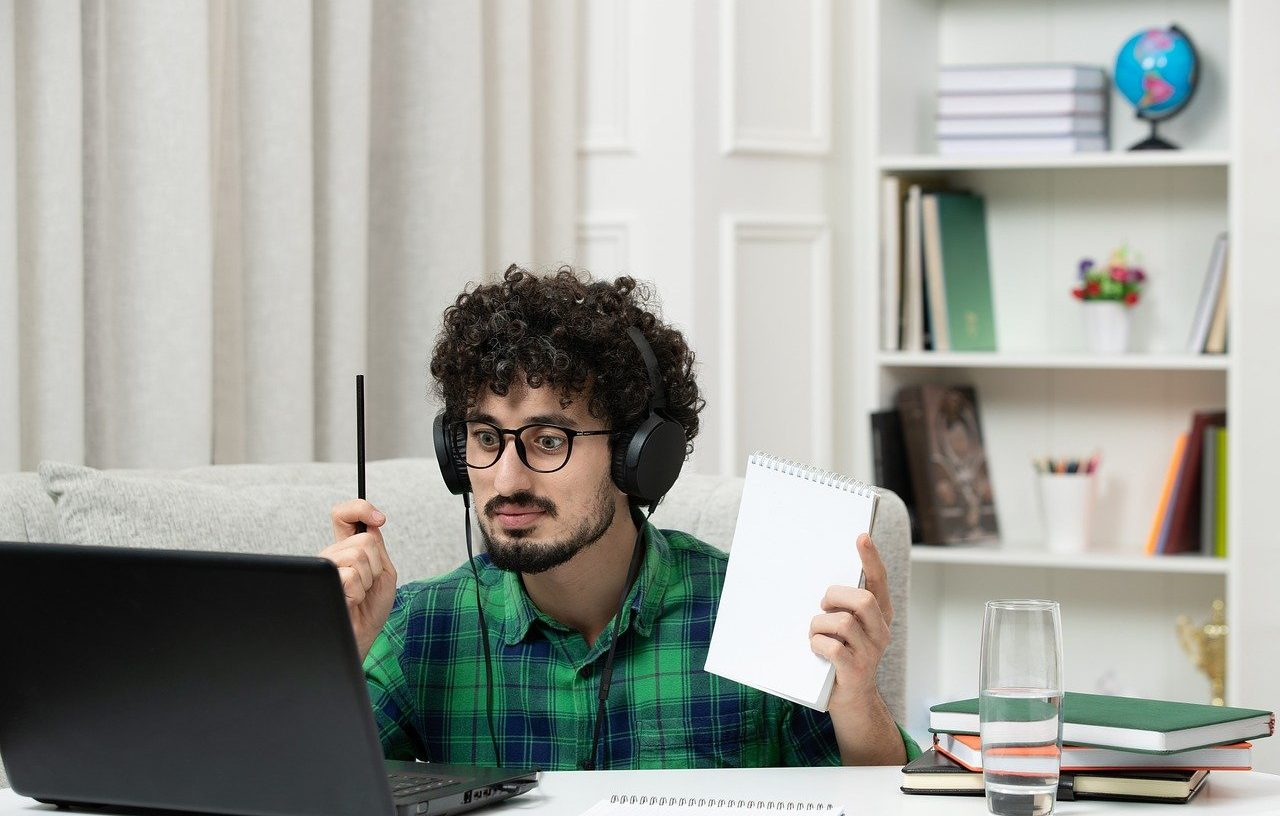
[(1106, 326)]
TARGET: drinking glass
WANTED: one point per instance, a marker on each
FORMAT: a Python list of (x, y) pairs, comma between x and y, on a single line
[(1020, 706)]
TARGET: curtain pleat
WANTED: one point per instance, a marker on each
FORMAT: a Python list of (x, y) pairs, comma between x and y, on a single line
[(277, 229), (508, 26), (554, 130), (342, 65), (213, 213), (426, 206), (147, 315), (49, 228), (10, 385)]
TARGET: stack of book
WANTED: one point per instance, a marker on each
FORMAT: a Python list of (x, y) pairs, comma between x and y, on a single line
[(1121, 748), (1191, 516), (1021, 109), (935, 272)]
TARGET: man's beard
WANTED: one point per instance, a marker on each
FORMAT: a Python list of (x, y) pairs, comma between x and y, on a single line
[(514, 552)]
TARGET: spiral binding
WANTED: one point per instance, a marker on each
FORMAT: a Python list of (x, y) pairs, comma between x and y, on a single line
[(812, 474), (700, 802)]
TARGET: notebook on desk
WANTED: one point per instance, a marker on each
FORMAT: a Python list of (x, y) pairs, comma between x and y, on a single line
[(796, 535)]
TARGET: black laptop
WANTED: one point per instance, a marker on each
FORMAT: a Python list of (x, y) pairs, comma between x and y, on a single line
[(210, 682)]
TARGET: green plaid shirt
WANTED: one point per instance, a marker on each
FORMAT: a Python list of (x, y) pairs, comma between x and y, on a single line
[(426, 677)]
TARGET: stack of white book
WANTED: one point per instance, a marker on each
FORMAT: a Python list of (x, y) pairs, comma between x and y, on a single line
[(1021, 109)]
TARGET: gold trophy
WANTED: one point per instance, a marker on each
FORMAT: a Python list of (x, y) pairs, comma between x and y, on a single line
[(1206, 644)]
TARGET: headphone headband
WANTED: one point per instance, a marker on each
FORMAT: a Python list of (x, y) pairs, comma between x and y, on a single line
[(659, 399)]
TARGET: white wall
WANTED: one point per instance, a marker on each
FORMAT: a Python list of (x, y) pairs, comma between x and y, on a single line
[(709, 165)]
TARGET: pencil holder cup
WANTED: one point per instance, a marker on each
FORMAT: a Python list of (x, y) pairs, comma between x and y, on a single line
[(1066, 506)]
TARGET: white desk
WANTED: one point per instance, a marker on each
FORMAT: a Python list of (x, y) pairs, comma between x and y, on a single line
[(864, 792)]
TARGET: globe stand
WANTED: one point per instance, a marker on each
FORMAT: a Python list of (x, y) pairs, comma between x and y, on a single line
[(1153, 141)]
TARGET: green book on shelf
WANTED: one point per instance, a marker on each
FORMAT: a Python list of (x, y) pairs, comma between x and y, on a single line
[(966, 273), (1129, 723), (1220, 536)]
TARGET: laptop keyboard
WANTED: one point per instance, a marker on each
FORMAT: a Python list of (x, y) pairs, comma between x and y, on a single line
[(403, 785)]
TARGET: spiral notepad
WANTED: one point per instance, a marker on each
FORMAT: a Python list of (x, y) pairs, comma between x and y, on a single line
[(796, 535), (629, 805)]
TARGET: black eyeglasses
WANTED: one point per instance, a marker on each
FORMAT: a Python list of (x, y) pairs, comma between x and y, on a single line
[(542, 448)]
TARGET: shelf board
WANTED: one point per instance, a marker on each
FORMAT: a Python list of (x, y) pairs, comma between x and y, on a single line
[(1087, 362), (1027, 557), (1109, 159)]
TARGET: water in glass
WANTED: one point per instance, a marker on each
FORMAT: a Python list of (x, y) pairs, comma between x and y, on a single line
[(1021, 739), (1020, 706)]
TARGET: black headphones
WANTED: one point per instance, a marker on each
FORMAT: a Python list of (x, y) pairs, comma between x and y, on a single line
[(646, 460)]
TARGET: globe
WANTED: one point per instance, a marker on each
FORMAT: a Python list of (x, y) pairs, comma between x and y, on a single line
[(1156, 70)]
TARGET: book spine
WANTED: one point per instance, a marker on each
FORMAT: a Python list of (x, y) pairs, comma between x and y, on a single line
[(1019, 79), (1171, 474), (1166, 522), (1207, 304), (1216, 342), (890, 462), (891, 264), (1220, 535), (1208, 489), (915, 439), (935, 275), (913, 277), (976, 145)]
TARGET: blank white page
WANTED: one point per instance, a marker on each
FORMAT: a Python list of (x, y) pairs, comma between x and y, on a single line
[(796, 535)]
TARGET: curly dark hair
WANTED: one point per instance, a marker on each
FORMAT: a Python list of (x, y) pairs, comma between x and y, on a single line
[(566, 331)]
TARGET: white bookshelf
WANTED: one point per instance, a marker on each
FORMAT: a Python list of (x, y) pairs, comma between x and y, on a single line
[(1084, 362), (1150, 159), (1042, 393), (1033, 554)]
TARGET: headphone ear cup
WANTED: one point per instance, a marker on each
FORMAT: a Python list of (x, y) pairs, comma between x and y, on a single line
[(618, 466), (647, 462), (451, 455)]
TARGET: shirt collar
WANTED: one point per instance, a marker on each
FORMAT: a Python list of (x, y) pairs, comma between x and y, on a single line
[(644, 600)]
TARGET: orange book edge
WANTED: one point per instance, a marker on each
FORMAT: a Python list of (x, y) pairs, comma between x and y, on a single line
[(1170, 476), (975, 744)]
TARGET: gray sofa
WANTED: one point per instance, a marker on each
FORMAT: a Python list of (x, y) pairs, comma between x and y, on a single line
[(285, 509)]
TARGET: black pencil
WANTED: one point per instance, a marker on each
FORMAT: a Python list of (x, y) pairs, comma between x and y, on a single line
[(360, 526)]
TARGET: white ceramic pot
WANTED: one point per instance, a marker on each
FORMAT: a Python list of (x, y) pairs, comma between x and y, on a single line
[(1106, 326)]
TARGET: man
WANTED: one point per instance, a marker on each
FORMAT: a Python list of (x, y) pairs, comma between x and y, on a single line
[(542, 374)]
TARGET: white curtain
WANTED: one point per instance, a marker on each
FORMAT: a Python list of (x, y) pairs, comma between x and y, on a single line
[(213, 214)]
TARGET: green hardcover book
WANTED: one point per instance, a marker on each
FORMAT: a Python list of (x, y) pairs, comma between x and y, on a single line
[(1129, 723), (1220, 536), (966, 272)]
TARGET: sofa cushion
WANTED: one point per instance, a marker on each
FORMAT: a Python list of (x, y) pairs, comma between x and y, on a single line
[(285, 509), (27, 513), (257, 508)]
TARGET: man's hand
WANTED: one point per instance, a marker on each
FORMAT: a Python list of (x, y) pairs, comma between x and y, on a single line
[(368, 576), (853, 633)]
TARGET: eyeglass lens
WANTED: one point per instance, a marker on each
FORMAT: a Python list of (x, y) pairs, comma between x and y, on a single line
[(545, 447)]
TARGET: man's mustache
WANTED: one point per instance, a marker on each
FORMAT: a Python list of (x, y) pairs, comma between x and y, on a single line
[(521, 499)]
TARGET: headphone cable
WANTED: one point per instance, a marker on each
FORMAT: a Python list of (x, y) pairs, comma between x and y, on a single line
[(484, 631), (606, 675)]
